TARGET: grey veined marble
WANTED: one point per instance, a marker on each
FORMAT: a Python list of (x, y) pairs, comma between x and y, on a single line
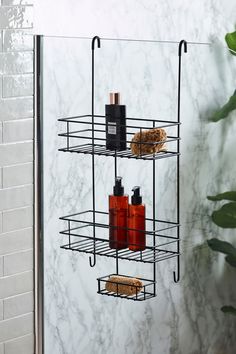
[(184, 318)]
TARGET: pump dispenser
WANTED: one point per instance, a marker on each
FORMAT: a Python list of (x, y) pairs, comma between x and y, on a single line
[(136, 198), (118, 216), (136, 222), (118, 189)]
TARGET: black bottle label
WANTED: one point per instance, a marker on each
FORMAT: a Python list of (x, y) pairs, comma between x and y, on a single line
[(111, 129)]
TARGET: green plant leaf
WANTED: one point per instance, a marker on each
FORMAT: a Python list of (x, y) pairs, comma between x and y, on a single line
[(225, 110), (226, 216), (230, 39), (223, 196), (229, 309), (231, 260), (222, 246)]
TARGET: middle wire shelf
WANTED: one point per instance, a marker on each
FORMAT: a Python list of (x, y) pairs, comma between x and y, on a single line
[(79, 131), (80, 229)]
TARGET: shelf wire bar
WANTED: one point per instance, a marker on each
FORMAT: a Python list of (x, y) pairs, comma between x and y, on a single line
[(117, 259), (176, 273), (154, 217)]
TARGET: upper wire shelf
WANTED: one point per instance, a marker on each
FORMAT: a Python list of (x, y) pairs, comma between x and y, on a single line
[(80, 129)]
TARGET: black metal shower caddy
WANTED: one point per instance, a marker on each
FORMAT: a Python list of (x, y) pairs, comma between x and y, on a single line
[(83, 228)]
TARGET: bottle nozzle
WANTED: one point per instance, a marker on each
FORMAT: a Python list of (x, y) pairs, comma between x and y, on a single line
[(136, 197), (118, 189), (115, 98)]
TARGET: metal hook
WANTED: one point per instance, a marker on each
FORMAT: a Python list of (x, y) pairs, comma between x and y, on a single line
[(182, 43), (176, 279), (94, 260), (96, 39)]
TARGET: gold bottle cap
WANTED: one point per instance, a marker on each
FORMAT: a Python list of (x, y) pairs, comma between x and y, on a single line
[(114, 98)]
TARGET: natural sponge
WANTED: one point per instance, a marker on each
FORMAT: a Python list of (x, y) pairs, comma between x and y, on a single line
[(124, 285), (144, 141)]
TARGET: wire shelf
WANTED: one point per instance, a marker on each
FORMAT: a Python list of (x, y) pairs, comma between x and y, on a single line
[(81, 129), (81, 238), (147, 291)]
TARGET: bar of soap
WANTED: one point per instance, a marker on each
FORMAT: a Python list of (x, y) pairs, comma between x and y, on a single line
[(150, 136), (124, 285)]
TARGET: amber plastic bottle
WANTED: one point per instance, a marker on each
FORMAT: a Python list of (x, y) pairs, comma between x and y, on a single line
[(118, 216), (136, 221)]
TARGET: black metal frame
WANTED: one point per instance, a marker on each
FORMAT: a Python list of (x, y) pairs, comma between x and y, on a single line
[(95, 145)]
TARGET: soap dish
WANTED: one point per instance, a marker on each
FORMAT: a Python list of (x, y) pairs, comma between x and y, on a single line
[(110, 287)]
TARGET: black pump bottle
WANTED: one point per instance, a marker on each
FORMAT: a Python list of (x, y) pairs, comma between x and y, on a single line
[(115, 123)]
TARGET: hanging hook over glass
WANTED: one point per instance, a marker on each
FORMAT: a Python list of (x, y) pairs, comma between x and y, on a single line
[(94, 40), (181, 44)]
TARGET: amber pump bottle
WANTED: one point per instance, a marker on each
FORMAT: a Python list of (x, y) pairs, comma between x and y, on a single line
[(136, 222), (115, 123), (118, 216)]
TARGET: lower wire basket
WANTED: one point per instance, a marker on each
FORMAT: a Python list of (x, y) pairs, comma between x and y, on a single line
[(137, 292)]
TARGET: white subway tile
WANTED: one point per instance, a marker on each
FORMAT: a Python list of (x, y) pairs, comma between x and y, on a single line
[(16, 197), (1, 348), (16, 284), (16, 17), (16, 241), (18, 130), (22, 345), (1, 129), (18, 305), (16, 327), (17, 219), (11, 154), (1, 178), (17, 40), (17, 2), (1, 310), (18, 262), (0, 222), (16, 63), (1, 39), (1, 266), (17, 174), (16, 108), (18, 85)]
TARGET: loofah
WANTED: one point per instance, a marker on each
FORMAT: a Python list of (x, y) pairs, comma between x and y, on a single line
[(148, 136), (123, 285)]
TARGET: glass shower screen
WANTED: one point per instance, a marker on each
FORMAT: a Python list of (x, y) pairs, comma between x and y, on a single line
[(76, 318)]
